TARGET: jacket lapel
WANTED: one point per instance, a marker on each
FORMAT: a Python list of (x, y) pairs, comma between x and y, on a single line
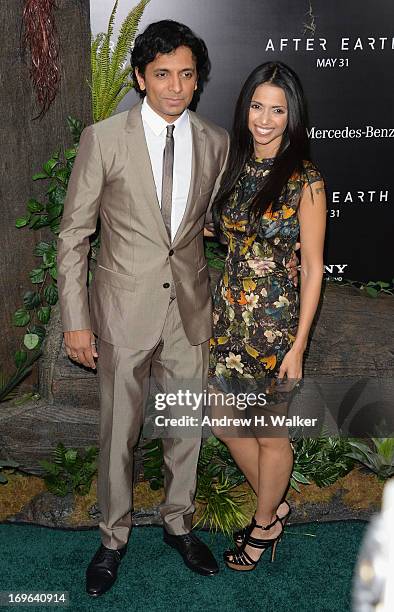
[(198, 154), (141, 174), (140, 168)]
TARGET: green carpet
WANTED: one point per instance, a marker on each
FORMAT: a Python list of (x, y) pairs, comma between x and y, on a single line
[(309, 574)]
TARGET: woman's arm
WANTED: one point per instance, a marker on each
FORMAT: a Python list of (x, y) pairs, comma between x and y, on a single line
[(312, 218)]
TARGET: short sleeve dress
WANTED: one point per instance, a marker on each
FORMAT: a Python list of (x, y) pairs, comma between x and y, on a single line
[(256, 306)]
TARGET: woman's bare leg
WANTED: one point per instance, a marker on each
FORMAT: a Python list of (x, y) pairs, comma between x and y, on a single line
[(275, 463), (246, 454)]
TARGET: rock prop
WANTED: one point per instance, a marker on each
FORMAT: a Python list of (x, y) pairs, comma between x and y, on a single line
[(353, 336)]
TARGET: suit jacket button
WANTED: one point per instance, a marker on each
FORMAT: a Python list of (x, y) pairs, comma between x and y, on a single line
[(171, 252), (166, 285)]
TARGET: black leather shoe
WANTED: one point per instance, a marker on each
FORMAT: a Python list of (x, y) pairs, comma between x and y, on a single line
[(195, 553), (102, 571)]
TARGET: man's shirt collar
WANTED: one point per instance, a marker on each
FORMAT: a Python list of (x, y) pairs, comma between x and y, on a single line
[(156, 123)]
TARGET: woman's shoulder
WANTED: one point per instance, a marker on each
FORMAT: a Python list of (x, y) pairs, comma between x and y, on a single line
[(300, 180), (310, 173)]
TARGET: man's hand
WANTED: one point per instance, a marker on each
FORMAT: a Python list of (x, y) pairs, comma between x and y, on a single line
[(81, 347), (292, 266)]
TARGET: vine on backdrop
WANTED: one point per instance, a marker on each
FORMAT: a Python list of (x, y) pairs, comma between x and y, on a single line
[(109, 75)]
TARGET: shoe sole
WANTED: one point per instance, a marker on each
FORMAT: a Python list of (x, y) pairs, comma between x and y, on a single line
[(241, 568), (95, 595)]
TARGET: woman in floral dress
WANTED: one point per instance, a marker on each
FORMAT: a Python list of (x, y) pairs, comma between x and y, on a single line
[(270, 196)]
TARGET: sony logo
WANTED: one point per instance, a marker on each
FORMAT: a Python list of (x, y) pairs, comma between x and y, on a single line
[(335, 268)]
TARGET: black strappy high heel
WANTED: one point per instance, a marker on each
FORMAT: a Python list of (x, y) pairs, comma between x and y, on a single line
[(239, 560), (284, 519), (241, 534)]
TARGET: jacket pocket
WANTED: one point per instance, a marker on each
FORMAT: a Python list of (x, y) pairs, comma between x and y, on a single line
[(115, 279), (202, 274)]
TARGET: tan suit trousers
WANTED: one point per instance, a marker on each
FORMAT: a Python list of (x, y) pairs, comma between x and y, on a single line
[(123, 383)]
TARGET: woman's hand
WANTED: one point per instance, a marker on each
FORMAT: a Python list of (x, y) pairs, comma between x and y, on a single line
[(291, 366)]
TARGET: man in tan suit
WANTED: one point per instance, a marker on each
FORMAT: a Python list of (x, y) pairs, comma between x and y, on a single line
[(150, 174)]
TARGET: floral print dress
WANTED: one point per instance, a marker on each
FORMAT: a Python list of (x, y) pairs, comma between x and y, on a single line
[(256, 306)]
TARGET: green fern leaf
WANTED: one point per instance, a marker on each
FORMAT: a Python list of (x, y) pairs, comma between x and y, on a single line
[(95, 73), (115, 103), (117, 87), (104, 55), (110, 77), (127, 35)]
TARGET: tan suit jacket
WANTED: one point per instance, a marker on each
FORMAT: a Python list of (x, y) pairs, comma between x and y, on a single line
[(129, 297)]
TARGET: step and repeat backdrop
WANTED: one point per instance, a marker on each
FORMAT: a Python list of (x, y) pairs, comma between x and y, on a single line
[(343, 51)]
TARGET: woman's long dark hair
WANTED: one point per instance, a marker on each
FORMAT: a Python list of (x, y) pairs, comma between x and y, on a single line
[(294, 147)]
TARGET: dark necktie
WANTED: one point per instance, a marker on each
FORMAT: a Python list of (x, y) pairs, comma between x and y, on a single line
[(166, 187)]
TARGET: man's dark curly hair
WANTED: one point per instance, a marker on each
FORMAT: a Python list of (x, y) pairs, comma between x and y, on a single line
[(163, 37)]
